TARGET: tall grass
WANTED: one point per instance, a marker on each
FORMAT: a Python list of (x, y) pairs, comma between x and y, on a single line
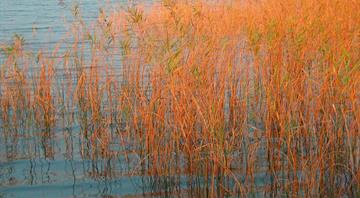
[(240, 98)]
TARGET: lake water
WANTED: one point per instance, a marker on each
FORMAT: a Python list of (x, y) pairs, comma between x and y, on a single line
[(43, 23), (23, 173)]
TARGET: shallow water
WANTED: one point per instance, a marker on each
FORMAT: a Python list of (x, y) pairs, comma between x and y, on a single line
[(25, 168)]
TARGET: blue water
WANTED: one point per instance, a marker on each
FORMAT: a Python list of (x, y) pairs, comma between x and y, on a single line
[(24, 172), (44, 22)]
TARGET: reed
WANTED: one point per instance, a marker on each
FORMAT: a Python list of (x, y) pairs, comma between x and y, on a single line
[(236, 98), (246, 77)]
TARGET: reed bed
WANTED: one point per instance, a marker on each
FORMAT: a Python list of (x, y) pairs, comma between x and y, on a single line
[(203, 99)]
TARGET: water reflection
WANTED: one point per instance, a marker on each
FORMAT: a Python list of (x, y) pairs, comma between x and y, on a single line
[(34, 159), (62, 3), (63, 177)]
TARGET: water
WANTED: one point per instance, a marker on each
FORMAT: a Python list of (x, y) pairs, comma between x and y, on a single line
[(33, 164), (43, 23), (24, 171), (59, 178)]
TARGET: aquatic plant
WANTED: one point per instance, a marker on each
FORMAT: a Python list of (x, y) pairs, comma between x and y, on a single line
[(202, 99)]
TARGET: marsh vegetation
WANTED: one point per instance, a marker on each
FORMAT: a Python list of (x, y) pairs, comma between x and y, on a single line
[(200, 99)]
